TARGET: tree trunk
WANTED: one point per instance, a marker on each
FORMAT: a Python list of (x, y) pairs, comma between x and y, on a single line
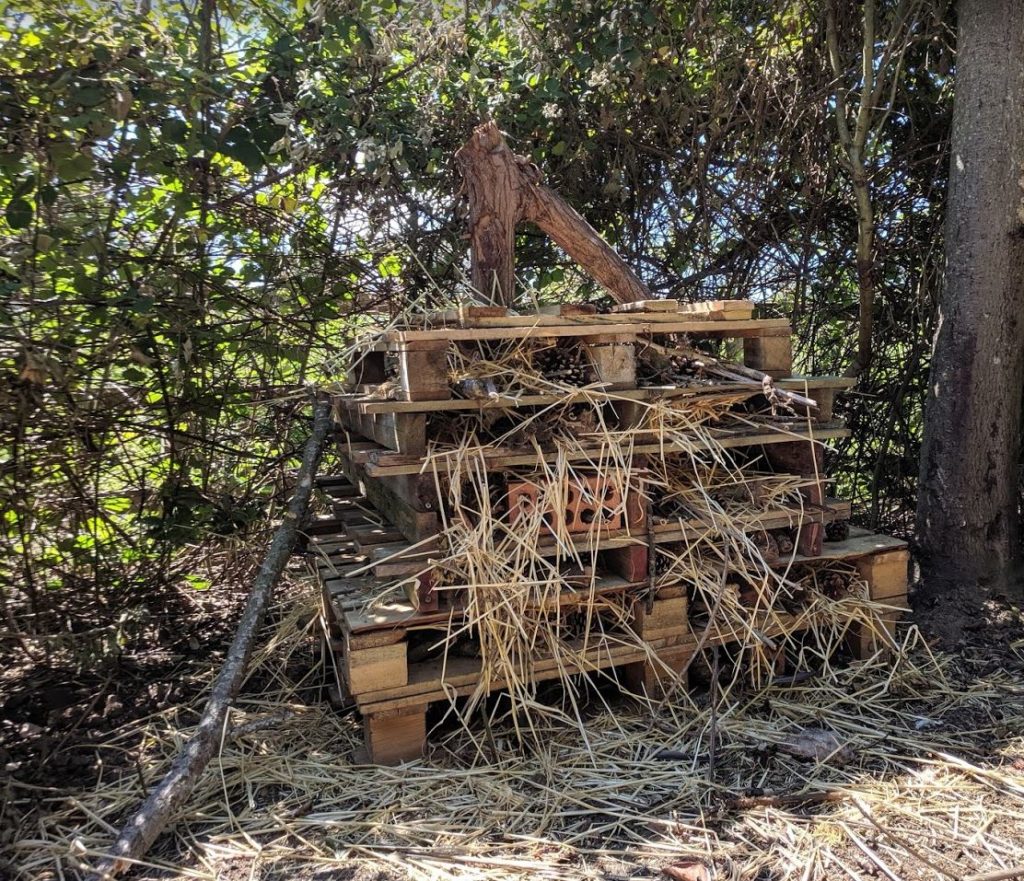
[(494, 184), (967, 503), (160, 807), (505, 189)]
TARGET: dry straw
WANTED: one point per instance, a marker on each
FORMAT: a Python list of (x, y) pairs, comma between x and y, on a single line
[(927, 788)]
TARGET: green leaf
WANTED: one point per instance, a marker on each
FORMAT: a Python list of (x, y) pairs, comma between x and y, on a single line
[(25, 187), (238, 145), (75, 167), (174, 130), (47, 194), (197, 583), (559, 148), (390, 266), (90, 96), (19, 213)]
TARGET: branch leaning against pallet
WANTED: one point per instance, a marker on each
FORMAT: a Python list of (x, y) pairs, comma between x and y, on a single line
[(146, 824)]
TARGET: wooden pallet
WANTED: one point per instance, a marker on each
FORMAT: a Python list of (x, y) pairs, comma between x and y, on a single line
[(394, 692), (407, 555), (386, 535), (419, 357), (402, 426)]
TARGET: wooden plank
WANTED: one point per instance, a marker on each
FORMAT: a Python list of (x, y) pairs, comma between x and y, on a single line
[(796, 383), (511, 402), (383, 464), (465, 312), (858, 545), (804, 385), (727, 310), (396, 613), (371, 639), (770, 354), (433, 680), (594, 324), (568, 310), (647, 306), (373, 669), (655, 317), (371, 535), (330, 544)]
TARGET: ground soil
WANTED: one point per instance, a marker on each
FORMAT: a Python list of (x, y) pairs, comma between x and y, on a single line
[(57, 712)]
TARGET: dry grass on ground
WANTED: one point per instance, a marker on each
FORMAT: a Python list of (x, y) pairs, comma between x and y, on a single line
[(928, 783)]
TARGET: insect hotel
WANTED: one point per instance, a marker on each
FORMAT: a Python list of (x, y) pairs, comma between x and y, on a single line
[(636, 496)]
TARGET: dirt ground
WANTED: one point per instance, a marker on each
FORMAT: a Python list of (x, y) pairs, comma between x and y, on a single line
[(934, 788)]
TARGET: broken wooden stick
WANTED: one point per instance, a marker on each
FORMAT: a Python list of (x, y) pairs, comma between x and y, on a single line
[(504, 190), (146, 824), (729, 370)]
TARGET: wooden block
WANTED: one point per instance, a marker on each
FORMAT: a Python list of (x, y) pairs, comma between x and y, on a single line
[(614, 363), (763, 664), (863, 642), (426, 598), (631, 414), (423, 373), (395, 737), (404, 432), (667, 618), (770, 354), (825, 398), (810, 539), (885, 573), (392, 498), (371, 669)]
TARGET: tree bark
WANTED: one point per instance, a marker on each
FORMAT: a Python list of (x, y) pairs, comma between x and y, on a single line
[(505, 189), (968, 522), (160, 807)]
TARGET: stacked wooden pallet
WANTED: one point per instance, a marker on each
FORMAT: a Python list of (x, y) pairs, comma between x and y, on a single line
[(386, 523)]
